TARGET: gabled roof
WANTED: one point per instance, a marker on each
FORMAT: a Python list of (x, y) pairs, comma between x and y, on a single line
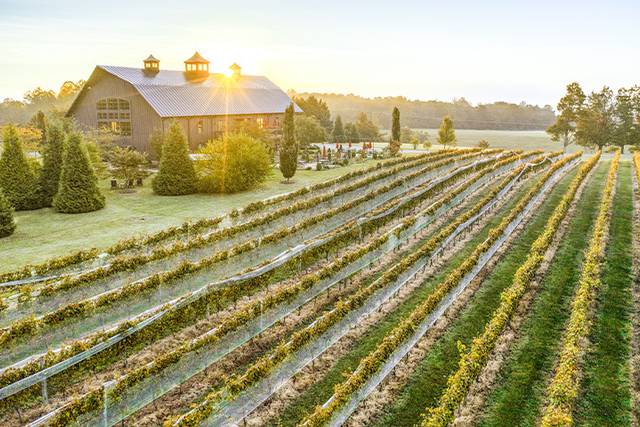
[(196, 59), (171, 94), (151, 58)]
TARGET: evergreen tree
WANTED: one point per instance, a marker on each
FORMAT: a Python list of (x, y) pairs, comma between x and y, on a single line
[(446, 133), (16, 177), (78, 187), (40, 122), (177, 175), (337, 136), (7, 224), (394, 144), (317, 108), (51, 165), (351, 133), (289, 148), (366, 129)]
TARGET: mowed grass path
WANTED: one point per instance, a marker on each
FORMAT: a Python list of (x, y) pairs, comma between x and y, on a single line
[(605, 399), (522, 381), (430, 376), (44, 234)]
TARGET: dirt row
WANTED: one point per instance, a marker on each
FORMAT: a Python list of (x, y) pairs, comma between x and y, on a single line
[(373, 406), (310, 374), (171, 403), (479, 391), (635, 289), (175, 340)]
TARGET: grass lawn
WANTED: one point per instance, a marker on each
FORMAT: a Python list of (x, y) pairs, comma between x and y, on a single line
[(320, 391), (44, 234), (508, 139), (605, 399), (430, 376), (522, 380)]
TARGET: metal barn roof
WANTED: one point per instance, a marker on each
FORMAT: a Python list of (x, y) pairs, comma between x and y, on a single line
[(171, 94)]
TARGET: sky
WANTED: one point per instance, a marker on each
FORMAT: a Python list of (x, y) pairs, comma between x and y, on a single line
[(485, 51)]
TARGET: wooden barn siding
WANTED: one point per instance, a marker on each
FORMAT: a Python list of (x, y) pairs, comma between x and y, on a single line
[(144, 119), (190, 126)]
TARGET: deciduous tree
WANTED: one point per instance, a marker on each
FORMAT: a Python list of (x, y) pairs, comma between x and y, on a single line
[(596, 121), (446, 133), (127, 164), (235, 163), (176, 175), (627, 111), (17, 179), (406, 135), (309, 131), (78, 188), (569, 108), (289, 147)]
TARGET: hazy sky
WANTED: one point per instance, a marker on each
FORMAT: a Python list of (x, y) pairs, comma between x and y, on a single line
[(483, 51)]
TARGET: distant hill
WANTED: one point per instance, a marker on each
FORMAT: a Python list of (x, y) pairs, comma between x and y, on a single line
[(428, 114)]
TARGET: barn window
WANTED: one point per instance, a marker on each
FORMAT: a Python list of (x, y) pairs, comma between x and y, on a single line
[(260, 121), (200, 127), (114, 114)]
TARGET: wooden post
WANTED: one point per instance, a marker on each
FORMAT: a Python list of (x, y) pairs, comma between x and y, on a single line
[(45, 393)]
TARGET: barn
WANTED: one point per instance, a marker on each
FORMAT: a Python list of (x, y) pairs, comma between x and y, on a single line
[(133, 102)]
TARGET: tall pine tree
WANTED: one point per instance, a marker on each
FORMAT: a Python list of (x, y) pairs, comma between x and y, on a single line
[(289, 148), (7, 224), (40, 122), (177, 175), (16, 177), (51, 165), (394, 144), (337, 136), (78, 187)]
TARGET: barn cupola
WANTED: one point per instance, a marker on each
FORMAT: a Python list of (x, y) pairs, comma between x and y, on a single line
[(151, 65), (235, 70), (196, 66)]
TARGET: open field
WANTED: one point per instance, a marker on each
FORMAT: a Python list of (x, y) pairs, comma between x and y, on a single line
[(437, 289), (507, 139)]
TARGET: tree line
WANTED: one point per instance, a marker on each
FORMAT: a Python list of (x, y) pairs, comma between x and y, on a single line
[(599, 119), (428, 114), (39, 99)]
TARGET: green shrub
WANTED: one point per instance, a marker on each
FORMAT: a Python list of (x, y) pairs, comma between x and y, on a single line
[(78, 188), (177, 175), (235, 163), (7, 224), (51, 165), (17, 179)]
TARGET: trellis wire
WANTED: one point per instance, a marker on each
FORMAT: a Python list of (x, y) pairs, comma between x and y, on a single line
[(343, 414), (231, 411), (416, 227)]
